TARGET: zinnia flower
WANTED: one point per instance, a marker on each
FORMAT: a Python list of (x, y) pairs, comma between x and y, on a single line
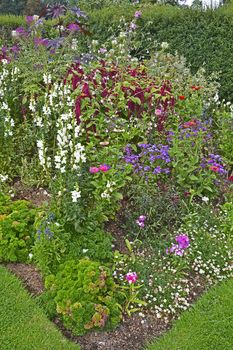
[(104, 168), (131, 277), (215, 168), (94, 170), (182, 97)]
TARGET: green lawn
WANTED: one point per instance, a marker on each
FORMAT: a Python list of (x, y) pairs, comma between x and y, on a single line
[(207, 326), (23, 325)]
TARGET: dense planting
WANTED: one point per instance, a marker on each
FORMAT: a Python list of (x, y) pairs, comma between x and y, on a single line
[(117, 140)]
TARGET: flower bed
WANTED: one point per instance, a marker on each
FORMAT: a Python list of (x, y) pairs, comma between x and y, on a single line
[(113, 138)]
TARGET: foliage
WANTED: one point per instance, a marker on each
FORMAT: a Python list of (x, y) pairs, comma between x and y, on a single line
[(16, 230), (85, 296)]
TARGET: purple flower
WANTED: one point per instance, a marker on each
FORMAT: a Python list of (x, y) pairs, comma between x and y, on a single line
[(138, 14), (41, 41), (56, 10), (183, 241), (178, 249), (29, 19), (73, 27), (141, 221), (21, 32), (133, 26), (157, 170), (78, 12), (102, 50)]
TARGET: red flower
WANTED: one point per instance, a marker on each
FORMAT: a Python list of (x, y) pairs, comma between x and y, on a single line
[(215, 168), (189, 124), (182, 97), (230, 178), (196, 88)]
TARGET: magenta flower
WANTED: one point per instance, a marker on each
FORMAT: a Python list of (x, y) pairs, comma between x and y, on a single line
[(178, 249), (131, 277), (137, 14), (183, 241), (141, 221), (73, 27), (29, 19), (93, 170), (104, 168)]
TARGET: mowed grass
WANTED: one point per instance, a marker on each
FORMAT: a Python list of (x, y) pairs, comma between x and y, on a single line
[(23, 325), (207, 326)]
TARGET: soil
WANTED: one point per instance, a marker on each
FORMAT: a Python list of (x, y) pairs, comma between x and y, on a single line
[(30, 277), (38, 196), (130, 335)]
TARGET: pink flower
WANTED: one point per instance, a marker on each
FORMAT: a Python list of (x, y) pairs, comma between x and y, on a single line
[(131, 277), (104, 168), (94, 170), (137, 14), (158, 112), (102, 50), (215, 168), (133, 26), (142, 218)]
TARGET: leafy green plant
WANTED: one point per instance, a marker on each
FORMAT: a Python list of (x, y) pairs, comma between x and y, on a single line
[(16, 229), (85, 296)]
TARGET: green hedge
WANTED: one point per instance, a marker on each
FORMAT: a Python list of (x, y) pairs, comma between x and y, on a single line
[(203, 37)]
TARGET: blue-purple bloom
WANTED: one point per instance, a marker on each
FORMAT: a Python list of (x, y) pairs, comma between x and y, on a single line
[(78, 12)]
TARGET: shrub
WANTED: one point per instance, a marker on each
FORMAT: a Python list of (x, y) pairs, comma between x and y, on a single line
[(16, 230), (85, 296)]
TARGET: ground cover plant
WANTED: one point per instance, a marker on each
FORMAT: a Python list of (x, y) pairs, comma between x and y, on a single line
[(116, 140), (207, 326)]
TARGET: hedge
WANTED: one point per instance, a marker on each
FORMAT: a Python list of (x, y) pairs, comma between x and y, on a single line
[(203, 37)]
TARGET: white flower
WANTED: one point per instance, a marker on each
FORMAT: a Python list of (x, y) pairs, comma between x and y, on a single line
[(75, 195), (35, 17), (205, 199), (105, 194), (85, 250), (14, 34), (164, 45), (3, 178), (30, 256)]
